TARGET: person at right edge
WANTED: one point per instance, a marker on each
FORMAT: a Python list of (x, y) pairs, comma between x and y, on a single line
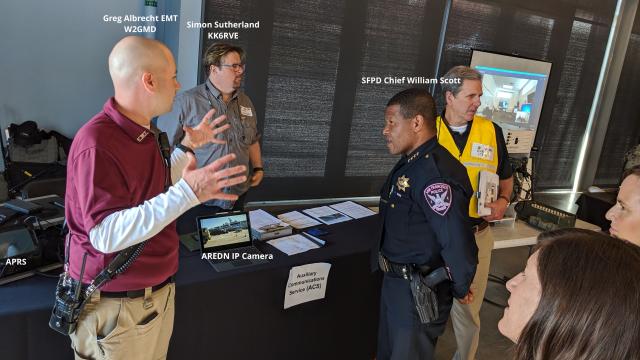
[(426, 248), (479, 145)]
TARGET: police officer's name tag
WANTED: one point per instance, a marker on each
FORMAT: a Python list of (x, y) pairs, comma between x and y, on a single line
[(245, 111), (438, 197), (482, 151)]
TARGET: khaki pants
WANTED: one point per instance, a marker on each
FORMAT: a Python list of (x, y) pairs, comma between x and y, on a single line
[(466, 318), (125, 328)]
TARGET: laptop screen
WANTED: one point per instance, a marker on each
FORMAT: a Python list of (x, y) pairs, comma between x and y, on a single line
[(16, 243), (224, 231)]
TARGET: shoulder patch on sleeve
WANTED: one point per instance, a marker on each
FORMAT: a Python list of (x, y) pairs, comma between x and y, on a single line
[(439, 197)]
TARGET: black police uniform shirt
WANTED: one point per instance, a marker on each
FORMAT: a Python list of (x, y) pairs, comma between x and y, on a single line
[(424, 208)]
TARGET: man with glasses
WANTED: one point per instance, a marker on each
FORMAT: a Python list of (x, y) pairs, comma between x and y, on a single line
[(224, 65)]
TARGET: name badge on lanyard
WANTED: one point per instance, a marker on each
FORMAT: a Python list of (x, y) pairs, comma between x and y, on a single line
[(246, 111), (482, 151)]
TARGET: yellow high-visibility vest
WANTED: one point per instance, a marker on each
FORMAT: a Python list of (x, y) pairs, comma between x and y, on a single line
[(480, 152)]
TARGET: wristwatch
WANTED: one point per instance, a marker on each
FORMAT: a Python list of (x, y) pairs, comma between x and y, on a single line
[(257, 168), (185, 148)]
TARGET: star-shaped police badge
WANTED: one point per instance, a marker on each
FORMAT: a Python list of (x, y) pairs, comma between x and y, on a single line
[(403, 183)]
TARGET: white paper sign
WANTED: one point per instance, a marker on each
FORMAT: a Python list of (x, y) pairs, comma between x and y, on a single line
[(306, 283)]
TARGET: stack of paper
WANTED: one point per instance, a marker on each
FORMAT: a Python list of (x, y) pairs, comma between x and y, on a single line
[(264, 226), (352, 209), (298, 220), (331, 214), (293, 244), (488, 184), (327, 215)]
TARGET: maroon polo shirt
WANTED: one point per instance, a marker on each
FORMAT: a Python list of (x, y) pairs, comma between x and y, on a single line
[(115, 164)]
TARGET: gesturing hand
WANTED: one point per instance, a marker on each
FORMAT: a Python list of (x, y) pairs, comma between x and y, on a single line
[(205, 132), (208, 182)]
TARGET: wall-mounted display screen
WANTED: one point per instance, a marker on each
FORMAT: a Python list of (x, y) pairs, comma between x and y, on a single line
[(512, 95)]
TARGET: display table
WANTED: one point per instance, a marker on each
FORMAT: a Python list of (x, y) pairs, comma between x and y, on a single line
[(236, 314), (519, 233), (239, 314)]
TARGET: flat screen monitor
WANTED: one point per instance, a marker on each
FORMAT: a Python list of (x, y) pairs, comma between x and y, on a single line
[(513, 91), (16, 243), (222, 230)]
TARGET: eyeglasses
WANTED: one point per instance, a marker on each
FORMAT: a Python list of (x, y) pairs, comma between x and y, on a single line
[(235, 67)]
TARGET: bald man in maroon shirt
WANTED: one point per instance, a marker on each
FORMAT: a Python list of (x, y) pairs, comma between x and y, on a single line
[(120, 192)]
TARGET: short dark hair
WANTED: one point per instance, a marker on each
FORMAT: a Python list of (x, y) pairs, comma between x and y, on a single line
[(216, 52), (581, 272), (414, 102), (461, 73), (634, 170)]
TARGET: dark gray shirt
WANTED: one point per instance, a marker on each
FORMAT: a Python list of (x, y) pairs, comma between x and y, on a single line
[(192, 105)]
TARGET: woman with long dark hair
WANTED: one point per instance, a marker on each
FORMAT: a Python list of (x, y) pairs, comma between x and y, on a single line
[(577, 299)]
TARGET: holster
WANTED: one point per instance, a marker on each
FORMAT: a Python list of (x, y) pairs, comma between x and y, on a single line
[(424, 298), (423, 282), (67, 307)]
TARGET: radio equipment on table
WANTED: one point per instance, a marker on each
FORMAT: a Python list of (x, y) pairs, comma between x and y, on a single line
[(544, 217)]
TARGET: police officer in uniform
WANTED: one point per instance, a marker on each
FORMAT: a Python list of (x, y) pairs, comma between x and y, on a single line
[(425, 232)]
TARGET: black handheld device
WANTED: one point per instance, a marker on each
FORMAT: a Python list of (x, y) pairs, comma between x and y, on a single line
[(317, 232), (6, 214), (22, 206)]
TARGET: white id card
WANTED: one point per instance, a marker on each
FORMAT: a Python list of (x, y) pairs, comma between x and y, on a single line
[(482, 151), (245, 111)]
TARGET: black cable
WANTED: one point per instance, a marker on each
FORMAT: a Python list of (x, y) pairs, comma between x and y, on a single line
[(534, 150), (522, 180), (36, 221), (39, 221)]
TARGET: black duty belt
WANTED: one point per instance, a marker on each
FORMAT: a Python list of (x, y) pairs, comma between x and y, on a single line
[(134, 294), (422, 282), (401, 270), (429, 276), (477, 228)]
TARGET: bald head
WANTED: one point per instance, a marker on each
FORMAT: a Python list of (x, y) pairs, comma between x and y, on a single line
[(133, 56), (144, 78)]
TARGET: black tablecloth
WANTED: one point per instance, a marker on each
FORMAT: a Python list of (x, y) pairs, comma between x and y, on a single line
[(592, 208), (236, 314)]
